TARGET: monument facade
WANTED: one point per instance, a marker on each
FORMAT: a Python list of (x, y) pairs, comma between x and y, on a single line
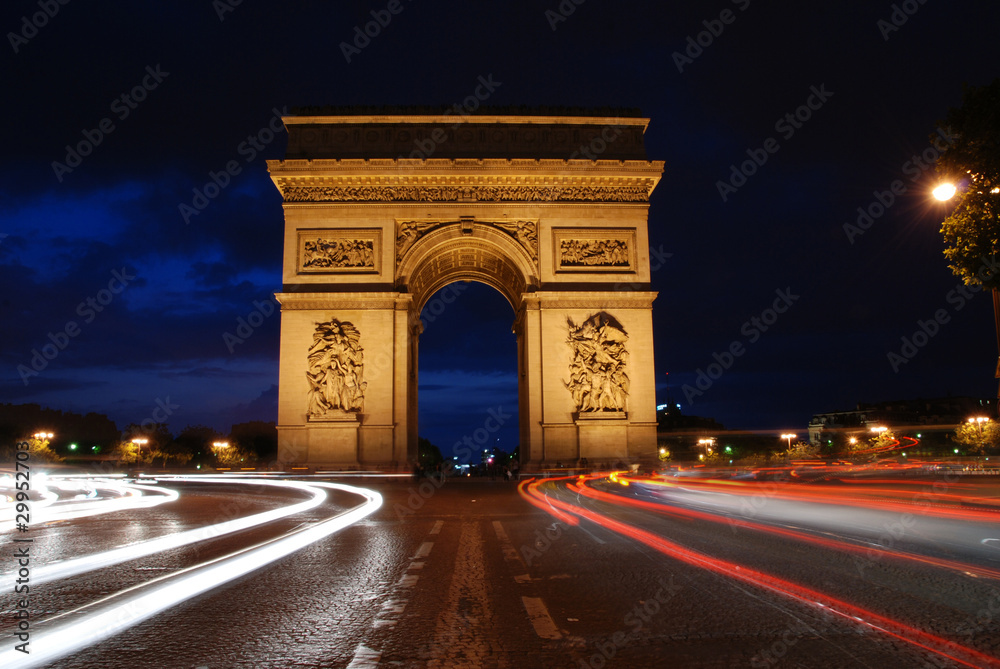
[(382, 211)]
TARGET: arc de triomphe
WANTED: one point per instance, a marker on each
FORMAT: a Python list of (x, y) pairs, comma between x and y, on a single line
[(381, 211)]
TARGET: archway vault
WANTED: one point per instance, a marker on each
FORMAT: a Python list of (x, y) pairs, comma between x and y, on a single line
[(370, 236), (462, 250)]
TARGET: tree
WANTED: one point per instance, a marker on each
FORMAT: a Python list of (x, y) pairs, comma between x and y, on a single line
[(801, 450), (256, 437), (972, 162), (978, 438), (428, 455), (157, 438)]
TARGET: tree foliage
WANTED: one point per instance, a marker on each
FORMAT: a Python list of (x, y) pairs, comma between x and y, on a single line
[(978, 438), (972, 231)]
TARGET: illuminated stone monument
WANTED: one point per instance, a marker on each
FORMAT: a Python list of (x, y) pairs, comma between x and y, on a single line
[(381, 211)]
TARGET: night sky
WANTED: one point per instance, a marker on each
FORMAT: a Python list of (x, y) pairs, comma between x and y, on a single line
[(97, 259)]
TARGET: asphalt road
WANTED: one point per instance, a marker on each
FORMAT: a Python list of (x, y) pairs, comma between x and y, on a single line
[(472, 575)]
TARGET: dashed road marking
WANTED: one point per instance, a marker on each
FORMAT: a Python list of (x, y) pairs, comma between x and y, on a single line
[(437, 527), (424, 550), (544, 626), (364, 658)]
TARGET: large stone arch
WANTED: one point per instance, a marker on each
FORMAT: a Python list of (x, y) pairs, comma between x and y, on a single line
[(466, 250), (371, 235)]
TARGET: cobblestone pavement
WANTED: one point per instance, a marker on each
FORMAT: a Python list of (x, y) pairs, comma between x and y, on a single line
[(469, 575)]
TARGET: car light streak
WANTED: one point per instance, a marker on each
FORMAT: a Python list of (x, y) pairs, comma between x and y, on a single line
[(869, 552), (53, 642), (930, 503), (529, 492), (50, 508), (141, 549), (854, 614)]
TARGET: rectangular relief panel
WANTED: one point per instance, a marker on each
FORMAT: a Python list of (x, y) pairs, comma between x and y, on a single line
[(594, 250), (339, 251)]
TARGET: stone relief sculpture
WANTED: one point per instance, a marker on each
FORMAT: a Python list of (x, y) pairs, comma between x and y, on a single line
[(409, 232), (526, 232), (471, 193), (339, 253), (594, 253), (597, 378), (335, 369)]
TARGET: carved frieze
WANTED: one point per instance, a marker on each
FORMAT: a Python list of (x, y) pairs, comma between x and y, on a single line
[(335, 370), (593, 253), (597, 377), (594, 249), (339, 251), (504, 193)]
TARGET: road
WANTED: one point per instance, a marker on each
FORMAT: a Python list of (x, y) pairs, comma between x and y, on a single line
[(563, 573)]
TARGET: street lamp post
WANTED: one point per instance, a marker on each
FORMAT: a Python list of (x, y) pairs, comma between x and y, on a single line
[(788, 438), (139, 442)]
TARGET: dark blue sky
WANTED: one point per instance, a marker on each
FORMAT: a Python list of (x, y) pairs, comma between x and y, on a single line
[(169, 290)]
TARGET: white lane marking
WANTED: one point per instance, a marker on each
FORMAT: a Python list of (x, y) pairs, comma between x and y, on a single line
[(989, 542), (408, 581), (437, 527), (424, 550), (55, 641), (416, 565), (540, 618), (365, 657), (501, 533)]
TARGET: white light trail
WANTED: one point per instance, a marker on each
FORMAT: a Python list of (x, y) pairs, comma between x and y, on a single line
[(134, 551), (52, 643)]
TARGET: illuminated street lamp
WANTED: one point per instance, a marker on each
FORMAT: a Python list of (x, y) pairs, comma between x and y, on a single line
[(879, 430), (43, 436), (139, 442), (788, 438), (707, 443), (944, 192)]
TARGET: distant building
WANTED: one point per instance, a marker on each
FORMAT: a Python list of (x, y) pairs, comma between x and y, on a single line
[(940, 414)]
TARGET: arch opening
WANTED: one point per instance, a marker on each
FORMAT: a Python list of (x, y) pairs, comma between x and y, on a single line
[(467, 391)]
